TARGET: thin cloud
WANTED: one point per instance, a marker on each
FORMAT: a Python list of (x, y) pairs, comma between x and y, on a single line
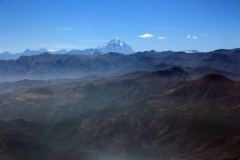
[(205, 35), (147, 35), (194, 37), (161, 38)]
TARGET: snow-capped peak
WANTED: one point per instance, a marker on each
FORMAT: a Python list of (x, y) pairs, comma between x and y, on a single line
[(113, 42), (117, 41), (115, 45)]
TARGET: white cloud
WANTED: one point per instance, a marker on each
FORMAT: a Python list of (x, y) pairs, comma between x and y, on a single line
[(161, 38), (194, 37), (147, 35)]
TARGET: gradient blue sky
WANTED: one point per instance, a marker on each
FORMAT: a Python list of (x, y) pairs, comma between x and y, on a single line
[(81, 24)]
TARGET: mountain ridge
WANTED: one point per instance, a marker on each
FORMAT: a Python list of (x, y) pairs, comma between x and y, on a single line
[(50, 66), (114, 45)]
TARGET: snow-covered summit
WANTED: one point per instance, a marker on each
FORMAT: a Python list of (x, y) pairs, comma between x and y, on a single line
[(115, 45)]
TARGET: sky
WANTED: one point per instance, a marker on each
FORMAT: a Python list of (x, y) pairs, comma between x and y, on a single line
[(161, 25)]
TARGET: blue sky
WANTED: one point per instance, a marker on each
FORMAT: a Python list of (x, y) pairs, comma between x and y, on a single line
[(161, 25)]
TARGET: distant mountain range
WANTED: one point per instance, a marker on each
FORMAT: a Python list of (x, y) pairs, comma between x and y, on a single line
[(114, 45), (51, 66), (9, 55)]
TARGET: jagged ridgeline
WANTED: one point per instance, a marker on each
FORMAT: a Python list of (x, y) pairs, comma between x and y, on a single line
[(58, 66)]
